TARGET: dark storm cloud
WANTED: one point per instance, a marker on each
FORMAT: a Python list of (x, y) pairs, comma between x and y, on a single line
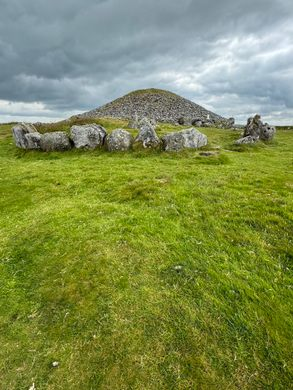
[(60, 57)]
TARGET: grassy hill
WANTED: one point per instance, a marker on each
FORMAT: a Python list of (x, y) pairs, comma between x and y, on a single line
[(146, 270)]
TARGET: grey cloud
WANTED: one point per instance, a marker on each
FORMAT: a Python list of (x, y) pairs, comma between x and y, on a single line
[(73, 55)]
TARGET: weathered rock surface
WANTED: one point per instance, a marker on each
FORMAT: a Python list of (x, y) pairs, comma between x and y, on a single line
[(249, 139), (267, 132), (197, 122), (88, 136), (56, 141), (189, 138), (23, 139), (147, 136), (33, 141), (119, 140), (256, 128)]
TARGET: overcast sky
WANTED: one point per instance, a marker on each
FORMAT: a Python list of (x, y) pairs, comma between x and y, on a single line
[(62, 57)]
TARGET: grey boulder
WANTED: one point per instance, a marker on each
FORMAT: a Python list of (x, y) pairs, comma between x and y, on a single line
[(119, 140), (189, 138), (147, 137), (256, 128), (33, 141), (23, 138), (88, 136), (197, 122), (249, 139), (253, 126), (267, 132), (56, 141)]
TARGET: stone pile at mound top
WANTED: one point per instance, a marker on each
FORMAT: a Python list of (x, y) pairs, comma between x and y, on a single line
[(161, 106)]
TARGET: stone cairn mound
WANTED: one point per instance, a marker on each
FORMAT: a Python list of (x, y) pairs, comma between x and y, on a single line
[(256, 130), (161, 106), (92, 136)]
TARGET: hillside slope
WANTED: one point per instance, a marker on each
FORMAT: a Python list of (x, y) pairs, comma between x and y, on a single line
[(164, 106)]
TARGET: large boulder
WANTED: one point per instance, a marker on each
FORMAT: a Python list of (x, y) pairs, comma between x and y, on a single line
[(22, 134), (256, 128), (119, 140), (88, 136), (267, 132), (253, 126), (197, 122), (33, 141), (57, 141), (189, 138), (147, 136)]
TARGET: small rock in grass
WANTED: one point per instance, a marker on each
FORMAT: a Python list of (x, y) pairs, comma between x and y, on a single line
[(55, 364), (178, 268), (207, 154), (247, 140)]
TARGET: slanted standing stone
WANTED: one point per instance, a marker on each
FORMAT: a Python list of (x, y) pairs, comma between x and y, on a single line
[(88, 136), (26, 136), (119, 140), (57, 141), (189, 138), (253, 126), (147, 137)]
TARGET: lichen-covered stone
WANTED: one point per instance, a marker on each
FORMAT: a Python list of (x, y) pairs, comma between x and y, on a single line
[(20, 132), (56, 141), (256, 128), (189, 138), (88, 136), (33, 141), (249, 139), (267, 132), (147, 137), (119, 140)]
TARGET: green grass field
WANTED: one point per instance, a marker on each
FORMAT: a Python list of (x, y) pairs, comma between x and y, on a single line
[(146, 270)]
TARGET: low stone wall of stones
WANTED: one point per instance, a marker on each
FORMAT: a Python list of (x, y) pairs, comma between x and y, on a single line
[(94, 136)]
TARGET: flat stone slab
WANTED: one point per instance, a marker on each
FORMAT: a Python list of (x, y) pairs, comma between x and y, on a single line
[(57, 141), (185, 139), (88, 136)]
